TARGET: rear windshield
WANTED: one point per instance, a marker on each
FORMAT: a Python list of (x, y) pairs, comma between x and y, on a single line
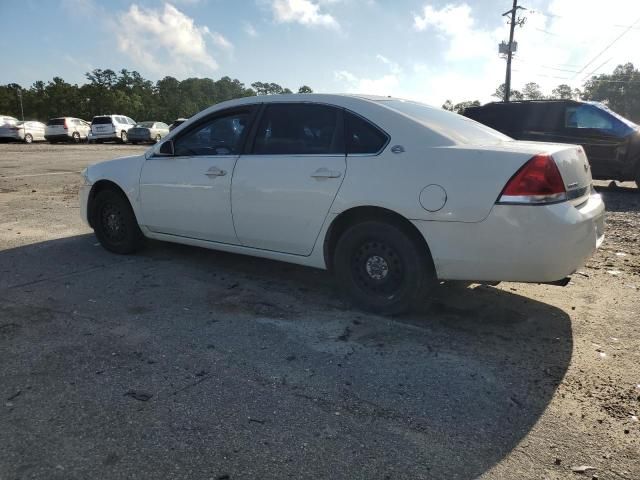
[(101, 120), (145, 124), (459, 129), (56, 121)]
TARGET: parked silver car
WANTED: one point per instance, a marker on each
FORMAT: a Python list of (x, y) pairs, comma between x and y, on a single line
[(148, 132), (67, 129), (26, 132)]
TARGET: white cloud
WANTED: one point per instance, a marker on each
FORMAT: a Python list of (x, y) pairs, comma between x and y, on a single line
[(167, 40), (250, 30), (385, 84), (304, 12)]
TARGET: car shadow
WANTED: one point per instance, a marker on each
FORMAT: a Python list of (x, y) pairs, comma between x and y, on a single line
[(110, 355)]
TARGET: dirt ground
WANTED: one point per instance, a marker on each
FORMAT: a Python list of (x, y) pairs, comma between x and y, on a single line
[(180, 362)]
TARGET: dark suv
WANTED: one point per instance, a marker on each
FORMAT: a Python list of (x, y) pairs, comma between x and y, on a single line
[(612, 142)]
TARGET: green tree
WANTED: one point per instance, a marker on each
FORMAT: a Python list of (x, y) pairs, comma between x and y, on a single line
[(305, 89), (531, 91), (515, 94), (562, 92), (620, 90)]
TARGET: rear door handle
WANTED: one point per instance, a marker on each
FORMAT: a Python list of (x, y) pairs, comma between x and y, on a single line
[(325, 173), (215, 172)]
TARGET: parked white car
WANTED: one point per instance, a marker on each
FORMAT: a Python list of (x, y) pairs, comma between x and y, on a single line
[(67, 129), (26, 132), (110, 127), (391, 195), (7, 120)]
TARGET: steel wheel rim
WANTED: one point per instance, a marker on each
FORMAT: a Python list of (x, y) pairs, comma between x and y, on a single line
[(112, 223), (377, 269)]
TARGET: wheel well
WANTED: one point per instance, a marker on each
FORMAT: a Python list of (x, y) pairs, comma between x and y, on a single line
[(98, 187), (356, 215)]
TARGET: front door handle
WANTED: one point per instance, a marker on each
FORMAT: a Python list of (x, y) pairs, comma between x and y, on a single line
[(215, 172), (325, 173)]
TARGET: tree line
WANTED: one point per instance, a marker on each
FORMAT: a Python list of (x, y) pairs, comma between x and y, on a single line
[(620, 90), (127, 93)]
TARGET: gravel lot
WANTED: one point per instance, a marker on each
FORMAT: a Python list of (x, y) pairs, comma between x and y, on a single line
[(180, 362)]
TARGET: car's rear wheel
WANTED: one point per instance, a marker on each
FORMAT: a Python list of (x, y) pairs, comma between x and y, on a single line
[(115, 223), (382, 268), (123, 137), (75, 137), (28, 138)]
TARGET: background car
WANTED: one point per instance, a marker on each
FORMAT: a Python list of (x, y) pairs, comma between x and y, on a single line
[(148, 132), (7, 120), (110, 127), (67, 129), (177, 122), (390, 195), (26, 132), (612, 142)]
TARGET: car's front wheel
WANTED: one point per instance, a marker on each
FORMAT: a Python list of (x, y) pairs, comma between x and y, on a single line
[(382, 267), (28, 138), (115, 223)]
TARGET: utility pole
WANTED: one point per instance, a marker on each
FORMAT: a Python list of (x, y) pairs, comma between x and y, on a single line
[(512, 46), (20, 97)]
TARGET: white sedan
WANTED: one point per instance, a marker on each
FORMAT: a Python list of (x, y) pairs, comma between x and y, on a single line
[(390, 195)]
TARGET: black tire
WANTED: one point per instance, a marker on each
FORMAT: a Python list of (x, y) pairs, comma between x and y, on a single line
[(158, 138), (75, 138), (123, 137), (382, 268), (115, 224), (28, 138), (638, 176)]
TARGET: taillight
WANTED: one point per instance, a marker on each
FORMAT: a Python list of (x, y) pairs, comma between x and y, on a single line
[(65, 124), (537, 182)]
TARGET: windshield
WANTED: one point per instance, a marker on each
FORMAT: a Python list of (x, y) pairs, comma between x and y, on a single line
[(145, 124), (451, 125)]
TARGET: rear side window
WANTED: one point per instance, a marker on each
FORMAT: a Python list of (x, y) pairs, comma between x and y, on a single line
[(362, 136), (55, 121), (298, 129), (101, 121)]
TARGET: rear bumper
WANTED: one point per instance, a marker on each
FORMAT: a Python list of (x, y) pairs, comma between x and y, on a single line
[(103, 136), (133, 137), (12, 136), (59, 137), (519, 243)]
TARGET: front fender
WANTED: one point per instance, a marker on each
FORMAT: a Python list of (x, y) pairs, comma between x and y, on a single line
[(123, 172)]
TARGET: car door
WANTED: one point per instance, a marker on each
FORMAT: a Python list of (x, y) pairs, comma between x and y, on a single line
[(285, 184), (188, 193)]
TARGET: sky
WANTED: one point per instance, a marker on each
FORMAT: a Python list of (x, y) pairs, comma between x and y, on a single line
[(424, 50)]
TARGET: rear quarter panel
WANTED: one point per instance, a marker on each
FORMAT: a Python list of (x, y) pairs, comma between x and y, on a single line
[(472, 178)]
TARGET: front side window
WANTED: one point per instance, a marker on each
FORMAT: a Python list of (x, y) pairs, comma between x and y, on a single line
[(218, 136), (362, 136), (298, 129)]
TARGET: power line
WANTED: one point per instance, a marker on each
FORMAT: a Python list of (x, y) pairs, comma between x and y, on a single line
[(608, 47)]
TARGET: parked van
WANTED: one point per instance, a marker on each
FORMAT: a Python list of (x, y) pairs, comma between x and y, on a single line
[(611, 142), (110, 127)]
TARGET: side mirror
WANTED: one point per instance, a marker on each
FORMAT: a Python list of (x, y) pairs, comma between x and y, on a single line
[(166, 148)]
